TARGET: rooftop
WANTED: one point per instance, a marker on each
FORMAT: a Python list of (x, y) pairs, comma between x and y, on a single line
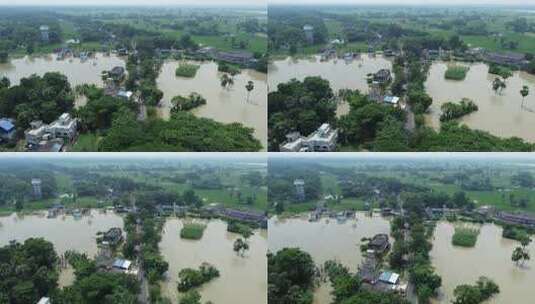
[(6, 125), (389, 277)]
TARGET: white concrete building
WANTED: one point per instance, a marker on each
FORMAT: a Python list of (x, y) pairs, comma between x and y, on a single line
[(322, 140), (43, 137)]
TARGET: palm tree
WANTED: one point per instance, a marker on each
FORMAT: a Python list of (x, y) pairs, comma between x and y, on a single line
[(249, 86), (524, 92), (226, 81), (498, 85)]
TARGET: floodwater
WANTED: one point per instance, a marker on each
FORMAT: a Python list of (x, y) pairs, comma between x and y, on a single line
[(225, 105), (326, 240), (88, 72), (490, 257), (500, 114), (65, 232), (340, 73), (242, 280)]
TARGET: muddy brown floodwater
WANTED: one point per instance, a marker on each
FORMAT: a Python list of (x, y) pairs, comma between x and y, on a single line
[(65, 232), (340, 73), (223, 105), (500, 114), (491, 257), (77, 72), (326, 240), (242, 280)]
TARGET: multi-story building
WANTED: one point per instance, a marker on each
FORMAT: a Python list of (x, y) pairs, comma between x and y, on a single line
[(322, 140)]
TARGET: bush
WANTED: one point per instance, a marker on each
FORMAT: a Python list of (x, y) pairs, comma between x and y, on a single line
[(456, 72), (181, 103), (192, 231), (240, 228), (504, 72), (228, 68), (189, 278), (451, 111), (187, 70), (465, 237)]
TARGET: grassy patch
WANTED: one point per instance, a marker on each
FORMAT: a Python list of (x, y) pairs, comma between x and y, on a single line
[(187, 70), (456, 72), (192, 231), (86, 143), (465, 236)]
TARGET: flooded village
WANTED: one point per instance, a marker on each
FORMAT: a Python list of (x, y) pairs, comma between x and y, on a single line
[(366, 236)]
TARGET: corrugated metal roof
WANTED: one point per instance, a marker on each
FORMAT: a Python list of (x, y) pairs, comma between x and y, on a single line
[(6, 125)]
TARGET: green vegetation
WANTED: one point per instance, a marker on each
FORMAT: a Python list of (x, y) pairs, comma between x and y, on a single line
[(501, 71), (484, 289), (465, 236), (181, 103), (182, 132), (187, 70), (299, 106), (31, 273), (36, 98), (514, 233), (456, 72), (451, 111), (228, 68), (192, 231), (189, 278), (290, 277), (237, 227)]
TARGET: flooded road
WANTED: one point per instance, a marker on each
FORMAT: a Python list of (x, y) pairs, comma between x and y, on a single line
[(500, 114), (242, 280), (77, 72), (225, 105), (490, 257), (326, 240), (65, 232), (340, 73)]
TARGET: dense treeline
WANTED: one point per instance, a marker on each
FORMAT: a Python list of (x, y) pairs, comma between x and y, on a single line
[(15, 187), (290, 277), (304, 106), (182, 132), (281, 187), (36, 98), (300, 106), (285, 29)]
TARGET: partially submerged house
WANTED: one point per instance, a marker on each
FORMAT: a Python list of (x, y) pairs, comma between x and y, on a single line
[(242, 58), (379, 243), (382, 76), (522, 219), (508, 58), (113, 236)]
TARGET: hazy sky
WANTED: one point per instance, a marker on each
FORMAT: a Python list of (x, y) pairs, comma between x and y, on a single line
[(263, 2), (409, 2), (133, 2)]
